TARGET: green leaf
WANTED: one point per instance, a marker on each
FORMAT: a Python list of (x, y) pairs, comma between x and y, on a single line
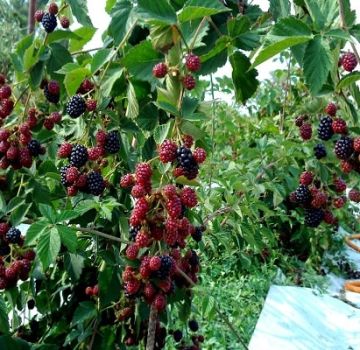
[(238, 25), (161, 132), (157, 12), (59, 57), (59, 35), (122, 18), (18, 215), (48, 212), (36, 74), (348, 80), (338, 34), (148, 117), (132, 110), (4, 320), (30, 57), (9, 343), (190, 129), (112, 75), (110, 283), (49, 247), (14, 203), (85, 34), (35, 231), (318, 62), (109, 5), (194, 9), (74, 78), (315, 12), (141, 59), (68, 237), (85, 311), (280, 8), (288, 32), (74, 265), (80, 11), (244, 78), (99, 59)]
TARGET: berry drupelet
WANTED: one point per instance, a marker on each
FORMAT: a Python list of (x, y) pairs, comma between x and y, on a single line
[(78, 156), (76, 106)]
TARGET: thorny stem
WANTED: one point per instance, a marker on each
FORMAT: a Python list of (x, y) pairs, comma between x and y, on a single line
[(217, 308), (182, 36)]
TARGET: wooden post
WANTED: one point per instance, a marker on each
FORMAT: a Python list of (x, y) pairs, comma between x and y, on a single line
[(31, 13)]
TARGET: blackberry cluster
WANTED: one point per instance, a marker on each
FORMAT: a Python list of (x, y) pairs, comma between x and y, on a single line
[(95, 183), (133, 231), (78, 156), (76, 106), (49, 22), (319, 151), (313, 217), (187, 162), (344, 148), (302, 194), (325, 131), (197, 235), (112, 143)]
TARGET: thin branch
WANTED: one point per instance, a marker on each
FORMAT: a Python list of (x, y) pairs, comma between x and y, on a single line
[(93, 336), (101, 234), (197, 33), (216, 213), (212, 133), (150, 344), (86, 51), (217, 309)]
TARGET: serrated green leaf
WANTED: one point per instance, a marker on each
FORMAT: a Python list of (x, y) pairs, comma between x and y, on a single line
[(74, 265), (141, 59), (49, 247), (85, 311), (59, 35), (195, 9), (14, 203), (68, 237), (35, 231), (161, 132), (157, 12), (99, 59), (132, 110), (112, 75), (85, 34), (318, 62), (315, 12), (244, 78), (109, 5), (280, 8), (4, 320), (48, 212), (190, 129), (348, 80), (80, 11), (74, 78), (122, 18)]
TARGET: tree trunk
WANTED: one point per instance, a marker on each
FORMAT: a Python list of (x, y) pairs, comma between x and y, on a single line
[(31, 13)]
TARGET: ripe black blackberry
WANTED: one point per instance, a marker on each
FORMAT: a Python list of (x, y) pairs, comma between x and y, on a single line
[(76, 106), (302, 194), (187, 162), (194, 259), (50, 97), (320, 151), (197, 235), (95, 183), (49, 22), (193, 325), (34, 147), (164, 271), (177, 335), (133, 231), (344, 147), (78, 156), (313, 217), (325, 131), (112, 143), (4, 249), (63, 171), (13, 235)]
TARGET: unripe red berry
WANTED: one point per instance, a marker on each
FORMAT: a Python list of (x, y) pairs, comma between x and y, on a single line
[(64, 150), (306, 178), (101, 137), (48, 124), (132, 251), (72, 191), (54, 87), (199, 155), (55, 117), (167, 151), (189, 82), (91, 105), (53, 8), (5, 92), (331, 109), (349, 61), (88, 291), (64, 21), (192, 62), (306, 131), (159, 302), (188, 197), (160, 70), (155, 263), (127, 181)]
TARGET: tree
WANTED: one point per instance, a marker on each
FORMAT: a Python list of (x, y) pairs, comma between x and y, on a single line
[(101, 154)]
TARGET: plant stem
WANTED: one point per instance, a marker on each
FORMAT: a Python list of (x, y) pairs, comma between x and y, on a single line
[(151, 329), (101, 234), (21, 95), (212, 132), (197, 33)]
